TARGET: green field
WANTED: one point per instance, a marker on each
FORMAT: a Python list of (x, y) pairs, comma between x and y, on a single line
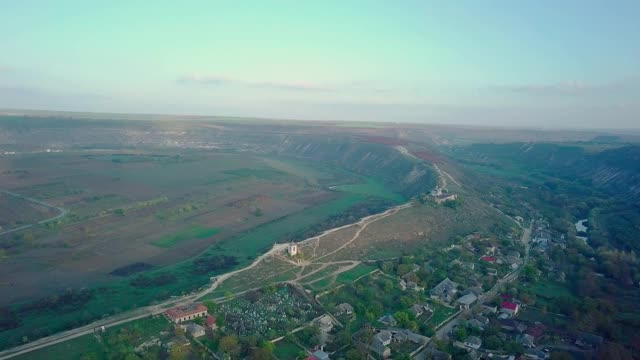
[(440, 314), (286, 350), (189, 233), (261, 238), (355, 273), (140, 330), (372, 187), (549, 290)]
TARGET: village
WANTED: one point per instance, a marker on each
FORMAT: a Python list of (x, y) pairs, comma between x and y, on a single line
[(447, 303), (467, 298)]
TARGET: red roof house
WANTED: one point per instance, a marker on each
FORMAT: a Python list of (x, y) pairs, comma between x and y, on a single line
[(188, 312), (489, 259), (509, 308), (211, 322)]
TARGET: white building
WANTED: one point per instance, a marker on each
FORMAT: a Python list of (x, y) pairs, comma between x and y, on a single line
[(292, 249)]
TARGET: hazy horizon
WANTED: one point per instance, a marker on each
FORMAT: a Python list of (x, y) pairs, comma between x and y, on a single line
[(529, 64)]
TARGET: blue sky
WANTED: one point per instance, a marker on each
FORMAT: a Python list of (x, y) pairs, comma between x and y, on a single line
[(520, 63)]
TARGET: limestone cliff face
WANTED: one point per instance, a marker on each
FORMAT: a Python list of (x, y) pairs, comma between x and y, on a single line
[(616, 171), (403, 174)]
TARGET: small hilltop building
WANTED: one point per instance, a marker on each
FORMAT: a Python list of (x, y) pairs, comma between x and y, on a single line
[(292, 249)]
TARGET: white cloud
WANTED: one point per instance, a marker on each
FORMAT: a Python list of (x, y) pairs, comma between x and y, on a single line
[(219, 80)]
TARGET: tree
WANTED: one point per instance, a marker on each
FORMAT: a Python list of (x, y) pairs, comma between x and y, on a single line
[(179, 331), (460, 334), (365, 336), (212, 306), (355, 354), (178, 353), (492, 342), (261, 354), (268, 345), (229, 344)]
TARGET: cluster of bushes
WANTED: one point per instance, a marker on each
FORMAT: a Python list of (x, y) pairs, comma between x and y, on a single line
[(207, 264), (70, 300), (143, 281)]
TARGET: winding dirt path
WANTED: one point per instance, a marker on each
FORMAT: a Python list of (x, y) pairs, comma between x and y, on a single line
[(62, 212)]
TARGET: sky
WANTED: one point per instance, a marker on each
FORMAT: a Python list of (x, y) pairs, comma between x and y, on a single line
[(509, 63)]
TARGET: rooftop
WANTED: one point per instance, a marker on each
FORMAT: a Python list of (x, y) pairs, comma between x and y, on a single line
[(182, 311)]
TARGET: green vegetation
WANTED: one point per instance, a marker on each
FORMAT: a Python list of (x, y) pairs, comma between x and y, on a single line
[(261, 238), (353, 274), (263, 173), (286, 349), (189, 233), (440, 314), (115, 342), (372, 187)]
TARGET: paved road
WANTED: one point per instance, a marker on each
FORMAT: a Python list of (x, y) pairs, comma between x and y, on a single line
[(177, 301), (61, 212)]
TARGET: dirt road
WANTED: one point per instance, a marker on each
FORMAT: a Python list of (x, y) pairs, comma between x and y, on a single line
[(178, 301), (62, 212)]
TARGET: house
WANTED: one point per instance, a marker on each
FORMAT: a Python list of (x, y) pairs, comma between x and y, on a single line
[(527, 341), (445, 291), (473, 342), (482, 319), (469, 246), (320, 355), (469, 265), (475, 290), (400, 336), (416, 338), (403, 285), (512, 325), (439, 199), (416, 310), (379, 348), (466, 300), (195, 330), (489, 259), (384, 336), (292, 249), (413, 286), (492, 272), (325, 323), (509, 308), (185, 313), (479, 322), (211, 322), (388, 320), (344, 308), (490, 309), (474, 323), (512, 260)]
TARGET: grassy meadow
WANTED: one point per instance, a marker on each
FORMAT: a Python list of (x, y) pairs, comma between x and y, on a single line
[(108, 182)]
